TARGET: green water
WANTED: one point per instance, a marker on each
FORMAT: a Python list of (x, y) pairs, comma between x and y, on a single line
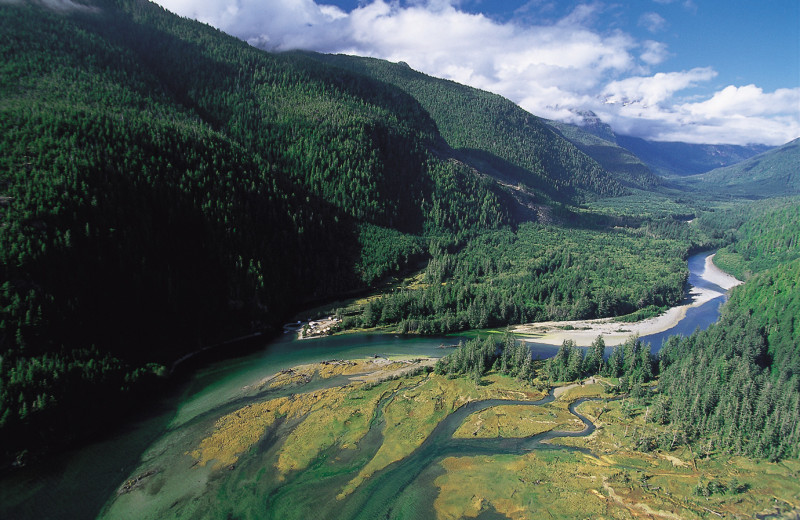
[(83, 483), (250, 489), (405, 489), (78, 484)]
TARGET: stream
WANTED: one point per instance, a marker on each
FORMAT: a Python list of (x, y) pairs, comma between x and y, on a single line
[(83, 483), (383, 494)]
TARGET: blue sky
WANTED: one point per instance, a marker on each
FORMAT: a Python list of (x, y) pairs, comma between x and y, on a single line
[(745, 41), (705, 71)]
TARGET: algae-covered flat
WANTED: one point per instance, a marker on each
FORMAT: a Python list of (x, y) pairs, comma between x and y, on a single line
[(387, 436), (621, 477)]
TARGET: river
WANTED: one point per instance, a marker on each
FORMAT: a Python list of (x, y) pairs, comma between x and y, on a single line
[(700, 316), (80, 483)]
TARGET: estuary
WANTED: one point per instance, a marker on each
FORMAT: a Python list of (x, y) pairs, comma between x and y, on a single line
[(117, 475)]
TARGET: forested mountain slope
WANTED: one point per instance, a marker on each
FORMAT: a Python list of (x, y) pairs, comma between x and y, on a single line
[(164, 186), (628, 169), (764, 234), (774, 173), (736, 386), (493, 134), (681, 159)]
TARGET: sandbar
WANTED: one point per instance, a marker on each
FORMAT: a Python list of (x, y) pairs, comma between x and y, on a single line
[(583, 332)]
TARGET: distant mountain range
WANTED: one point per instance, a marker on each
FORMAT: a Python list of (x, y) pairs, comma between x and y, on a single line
[(666, 159), (681, 159), (770, 174)]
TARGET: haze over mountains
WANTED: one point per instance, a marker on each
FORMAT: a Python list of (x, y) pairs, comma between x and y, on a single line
[(678, 159)]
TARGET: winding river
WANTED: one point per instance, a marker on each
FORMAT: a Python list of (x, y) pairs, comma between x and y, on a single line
[(82, 483), (696, 317), (384, 493)]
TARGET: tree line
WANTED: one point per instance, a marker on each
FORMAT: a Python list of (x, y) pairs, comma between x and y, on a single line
[(164, 187), (533, 273), (477, 357)]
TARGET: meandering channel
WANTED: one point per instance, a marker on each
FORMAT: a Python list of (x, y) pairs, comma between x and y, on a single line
[(377, 497), (79, 483)]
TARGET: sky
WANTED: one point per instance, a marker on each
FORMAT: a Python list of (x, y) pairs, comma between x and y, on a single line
[(698, 71)]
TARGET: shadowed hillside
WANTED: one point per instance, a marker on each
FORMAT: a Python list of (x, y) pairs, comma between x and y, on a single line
[(770, 174)]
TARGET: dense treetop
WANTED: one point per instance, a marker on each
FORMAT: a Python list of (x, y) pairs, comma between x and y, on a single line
[(494, 134), (623, 165), (737, 384), (164, 187), (762, 235)]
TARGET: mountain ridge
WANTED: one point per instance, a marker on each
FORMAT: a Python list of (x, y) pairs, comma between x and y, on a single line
[(492, 133), (671, 159), (773, 173), (165, 186)]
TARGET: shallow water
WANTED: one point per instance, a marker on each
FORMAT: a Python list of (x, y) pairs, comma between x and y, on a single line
[(699, 317), (79, 484), (406, 486)]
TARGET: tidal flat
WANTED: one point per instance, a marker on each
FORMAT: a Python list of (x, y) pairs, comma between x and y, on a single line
[(352, 439)]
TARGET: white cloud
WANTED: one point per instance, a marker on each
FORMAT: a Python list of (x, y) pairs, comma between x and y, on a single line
[(733, 115), (653, 52), (653, 90), (653, 22), (747, 101), (551, 69)]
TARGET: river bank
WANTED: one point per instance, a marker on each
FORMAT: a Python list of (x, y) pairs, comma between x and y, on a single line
[(318, 441), (706, 285), (95, 472)]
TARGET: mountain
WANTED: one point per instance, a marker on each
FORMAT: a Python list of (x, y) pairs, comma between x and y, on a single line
[(597, 140), (164, 187), (493, 135), (166, 163), (681, 159), (770, 174)]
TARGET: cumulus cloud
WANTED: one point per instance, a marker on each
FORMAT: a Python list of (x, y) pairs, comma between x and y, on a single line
[(551, 69), (733, 115), (653, 22), (747, 101), (653, 52), (653, 90)]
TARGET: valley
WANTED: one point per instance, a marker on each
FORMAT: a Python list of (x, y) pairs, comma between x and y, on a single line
[(503, 316), (280, 424)]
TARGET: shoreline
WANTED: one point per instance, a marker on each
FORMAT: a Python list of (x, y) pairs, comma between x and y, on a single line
[(616, 332)]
